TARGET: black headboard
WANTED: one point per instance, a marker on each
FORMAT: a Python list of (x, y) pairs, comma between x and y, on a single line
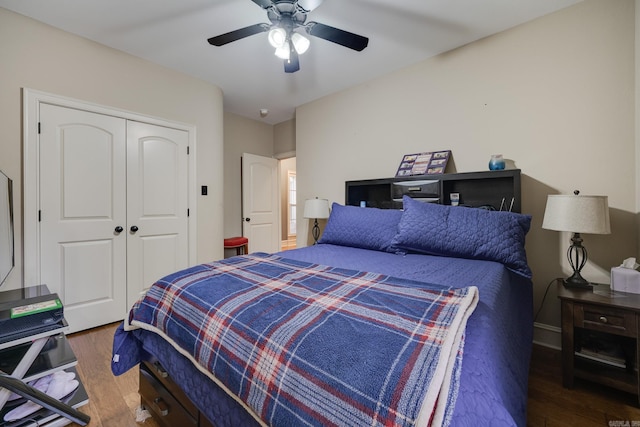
[(499, 190)]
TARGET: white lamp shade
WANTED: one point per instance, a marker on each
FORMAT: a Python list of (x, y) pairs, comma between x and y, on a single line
[(577, 214), (316, 208), (300, 43), (277, 37), (283, 51)]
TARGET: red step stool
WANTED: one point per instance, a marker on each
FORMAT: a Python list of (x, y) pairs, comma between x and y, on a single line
[(240, 244)]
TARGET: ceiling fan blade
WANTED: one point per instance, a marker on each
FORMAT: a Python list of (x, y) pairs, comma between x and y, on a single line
[(292, 64), (241, 33), (265, 4), (336, 35), (309, 5)]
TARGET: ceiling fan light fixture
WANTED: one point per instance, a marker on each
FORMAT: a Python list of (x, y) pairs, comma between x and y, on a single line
[(286, 18), (277, 37), (300, 43), (283, 51)]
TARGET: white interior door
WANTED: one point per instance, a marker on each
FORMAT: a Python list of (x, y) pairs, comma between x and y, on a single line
[(157, 204), (82, 204), (260, 203)]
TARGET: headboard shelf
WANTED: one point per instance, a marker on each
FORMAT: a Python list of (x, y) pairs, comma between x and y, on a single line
[(499, 190)]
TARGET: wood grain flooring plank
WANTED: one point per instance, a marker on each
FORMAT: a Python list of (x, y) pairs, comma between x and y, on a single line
[(113, 400)]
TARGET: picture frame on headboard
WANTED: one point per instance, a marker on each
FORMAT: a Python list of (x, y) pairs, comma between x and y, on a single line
[(427, 163)]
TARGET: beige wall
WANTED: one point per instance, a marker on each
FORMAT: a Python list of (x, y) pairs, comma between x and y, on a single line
[(284, 147), (556, 96), (637, 118), (37, 56), (241, 135), (284, 144)]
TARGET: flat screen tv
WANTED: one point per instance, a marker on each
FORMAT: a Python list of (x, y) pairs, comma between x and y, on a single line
[(7, 260)]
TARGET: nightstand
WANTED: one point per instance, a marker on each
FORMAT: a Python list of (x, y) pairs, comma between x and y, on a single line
[(600, 337)]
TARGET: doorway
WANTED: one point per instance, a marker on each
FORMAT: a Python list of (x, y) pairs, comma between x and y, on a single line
[(288, 188)]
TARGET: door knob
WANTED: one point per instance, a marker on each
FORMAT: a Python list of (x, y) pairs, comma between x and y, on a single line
[(119, 229), (134, 228), (247, 219)]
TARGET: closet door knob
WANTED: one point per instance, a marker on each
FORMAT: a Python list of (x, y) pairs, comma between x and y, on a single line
[(134, 228), (119, 229), (248, 219)]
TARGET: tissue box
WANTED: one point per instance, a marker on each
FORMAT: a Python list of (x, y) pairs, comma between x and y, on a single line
[(625, 280)]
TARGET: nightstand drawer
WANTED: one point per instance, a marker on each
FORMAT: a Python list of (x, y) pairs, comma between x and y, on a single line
[(605, 319)]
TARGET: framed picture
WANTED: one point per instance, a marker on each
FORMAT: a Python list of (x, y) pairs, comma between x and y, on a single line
[(429, 163)]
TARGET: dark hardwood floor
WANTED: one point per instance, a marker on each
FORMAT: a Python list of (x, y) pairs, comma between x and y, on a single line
[(113, 400), (587, 404)]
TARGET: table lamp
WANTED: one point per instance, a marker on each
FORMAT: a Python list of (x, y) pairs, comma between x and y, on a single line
[(316, 209), (577, 214)]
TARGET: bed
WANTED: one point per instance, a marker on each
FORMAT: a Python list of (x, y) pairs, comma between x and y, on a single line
[(430, 273)]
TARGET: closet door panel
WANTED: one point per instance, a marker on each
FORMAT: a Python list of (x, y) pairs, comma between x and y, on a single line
[(157, 204), (82, 202)]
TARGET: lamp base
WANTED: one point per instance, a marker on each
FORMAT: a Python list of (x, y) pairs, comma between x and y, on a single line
[(577, 255), (315, 231), (576, 281), (568, 284)]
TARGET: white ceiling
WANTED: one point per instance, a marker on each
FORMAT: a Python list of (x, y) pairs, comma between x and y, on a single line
[(174, 33)]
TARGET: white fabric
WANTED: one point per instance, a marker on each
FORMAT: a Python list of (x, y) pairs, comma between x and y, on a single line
[(57, 385), (41, 384)]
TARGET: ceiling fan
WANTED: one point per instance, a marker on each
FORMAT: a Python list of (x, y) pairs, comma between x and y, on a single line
[(286, 17)]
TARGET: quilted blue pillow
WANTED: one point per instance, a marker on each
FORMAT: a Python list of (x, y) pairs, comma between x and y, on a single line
[(366, 228), (464, 233)]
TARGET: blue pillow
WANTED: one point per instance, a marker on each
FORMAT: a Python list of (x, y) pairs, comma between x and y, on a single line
[(464, 232), (366, 228)]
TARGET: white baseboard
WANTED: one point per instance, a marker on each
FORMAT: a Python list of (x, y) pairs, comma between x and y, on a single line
[(547, 335)]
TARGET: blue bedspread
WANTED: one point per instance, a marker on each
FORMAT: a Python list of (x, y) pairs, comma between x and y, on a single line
[(499, 336), (493, 378), (303, 343)]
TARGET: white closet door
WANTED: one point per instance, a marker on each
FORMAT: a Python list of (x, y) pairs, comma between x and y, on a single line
[(157, 204), (82, 204)]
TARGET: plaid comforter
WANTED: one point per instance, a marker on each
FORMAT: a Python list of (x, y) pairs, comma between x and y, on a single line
[(306, 344)]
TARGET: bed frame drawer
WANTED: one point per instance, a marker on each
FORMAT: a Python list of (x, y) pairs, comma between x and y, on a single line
[(154, 368), (164, 406), (155, 382)]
